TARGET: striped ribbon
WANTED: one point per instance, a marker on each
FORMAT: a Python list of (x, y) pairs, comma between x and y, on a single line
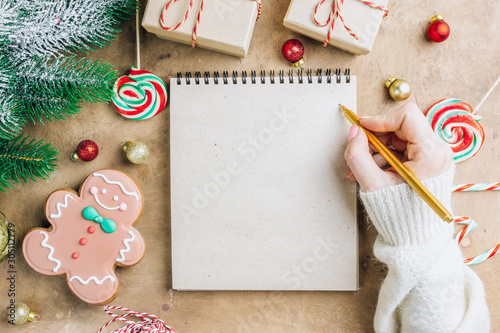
[(194, 34), (336, 13), (470, 224), (148, 323)]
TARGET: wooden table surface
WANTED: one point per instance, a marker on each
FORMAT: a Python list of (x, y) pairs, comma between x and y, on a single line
[(465, 67)]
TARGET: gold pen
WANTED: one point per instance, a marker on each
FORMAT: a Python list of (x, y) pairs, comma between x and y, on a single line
[(401, 169)]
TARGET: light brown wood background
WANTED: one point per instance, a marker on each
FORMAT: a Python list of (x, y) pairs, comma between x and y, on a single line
[(465, 67)]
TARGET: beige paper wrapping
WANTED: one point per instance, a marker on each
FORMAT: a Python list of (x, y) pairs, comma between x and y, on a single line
[(362, 19), (226, 25)]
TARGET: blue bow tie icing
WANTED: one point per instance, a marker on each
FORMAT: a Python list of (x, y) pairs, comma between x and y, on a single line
[(107, 225)]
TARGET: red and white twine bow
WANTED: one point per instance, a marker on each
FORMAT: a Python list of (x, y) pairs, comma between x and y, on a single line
[(195, 29), (336, 13), (148, 323)]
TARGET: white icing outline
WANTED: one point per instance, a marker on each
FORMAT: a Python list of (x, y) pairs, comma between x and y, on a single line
[(103, 206), (50, 257), (93, 278), (117, 183), (59, 205), (127, 247)]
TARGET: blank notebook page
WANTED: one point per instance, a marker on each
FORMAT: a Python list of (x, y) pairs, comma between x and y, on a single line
[(260, 199)]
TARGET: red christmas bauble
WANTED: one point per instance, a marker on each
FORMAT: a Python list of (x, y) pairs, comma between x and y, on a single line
[(86, 151), (293, 51), (438, 30)]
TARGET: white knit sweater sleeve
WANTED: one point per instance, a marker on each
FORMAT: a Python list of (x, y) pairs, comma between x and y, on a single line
[(428, 287)]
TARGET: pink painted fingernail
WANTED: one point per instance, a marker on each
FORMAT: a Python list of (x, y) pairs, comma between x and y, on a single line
[(365, 117), (353, 131)]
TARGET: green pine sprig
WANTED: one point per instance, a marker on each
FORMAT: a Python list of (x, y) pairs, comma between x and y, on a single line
[(22, 160), (12, 118), (8, 17), (53, 89), (64, 26)]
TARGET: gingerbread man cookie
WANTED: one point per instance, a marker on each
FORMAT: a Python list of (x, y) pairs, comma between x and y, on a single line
[(91, 232)]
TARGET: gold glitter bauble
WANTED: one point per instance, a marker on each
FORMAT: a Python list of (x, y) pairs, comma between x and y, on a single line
[(137, 152), (22, 314)]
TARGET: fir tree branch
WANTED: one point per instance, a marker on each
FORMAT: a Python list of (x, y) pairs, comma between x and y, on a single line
[(53, 89), (8, 16), (11, 117), (58, 26), (21, 160)]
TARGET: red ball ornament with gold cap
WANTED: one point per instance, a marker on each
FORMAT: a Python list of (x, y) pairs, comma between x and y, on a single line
[(438, 30), (86, 151), (293, 51)]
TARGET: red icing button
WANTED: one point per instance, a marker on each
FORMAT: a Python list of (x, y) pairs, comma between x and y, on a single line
[(75, 255), (91, 229), (83, 241)]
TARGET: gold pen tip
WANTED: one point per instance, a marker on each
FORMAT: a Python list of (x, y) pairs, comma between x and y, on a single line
[(448, 218)]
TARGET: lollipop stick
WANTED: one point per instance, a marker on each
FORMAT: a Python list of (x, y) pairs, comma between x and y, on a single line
[(486, 96), (137, 39)]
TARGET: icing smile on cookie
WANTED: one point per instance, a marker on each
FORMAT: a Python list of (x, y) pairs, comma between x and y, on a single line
[(94, 190)]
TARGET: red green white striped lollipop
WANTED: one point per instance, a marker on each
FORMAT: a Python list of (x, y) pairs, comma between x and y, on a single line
[(140, 95), (456, 124)]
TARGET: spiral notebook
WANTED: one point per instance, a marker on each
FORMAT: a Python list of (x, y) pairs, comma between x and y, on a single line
[(259, 195)]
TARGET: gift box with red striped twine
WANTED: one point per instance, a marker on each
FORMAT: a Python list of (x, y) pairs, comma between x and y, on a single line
[(336, 12), (198, 19), (148, 322)]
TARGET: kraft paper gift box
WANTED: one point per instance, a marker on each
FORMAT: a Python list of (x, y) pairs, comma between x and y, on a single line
[(226, 25), (362, 19)]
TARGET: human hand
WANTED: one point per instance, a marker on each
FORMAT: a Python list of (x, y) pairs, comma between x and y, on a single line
[(408, 134)]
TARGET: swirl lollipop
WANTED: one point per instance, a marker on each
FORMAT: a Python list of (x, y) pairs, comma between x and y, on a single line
[(456, 124), (140, 95)]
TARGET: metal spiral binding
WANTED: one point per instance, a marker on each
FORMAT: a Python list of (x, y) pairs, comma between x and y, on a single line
[(272, 78), (235, 77), (299, 75), (319, 75)]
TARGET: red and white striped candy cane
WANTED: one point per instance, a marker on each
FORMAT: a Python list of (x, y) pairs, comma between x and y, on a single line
[(336, 12), (194, 34), (148, 323)]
